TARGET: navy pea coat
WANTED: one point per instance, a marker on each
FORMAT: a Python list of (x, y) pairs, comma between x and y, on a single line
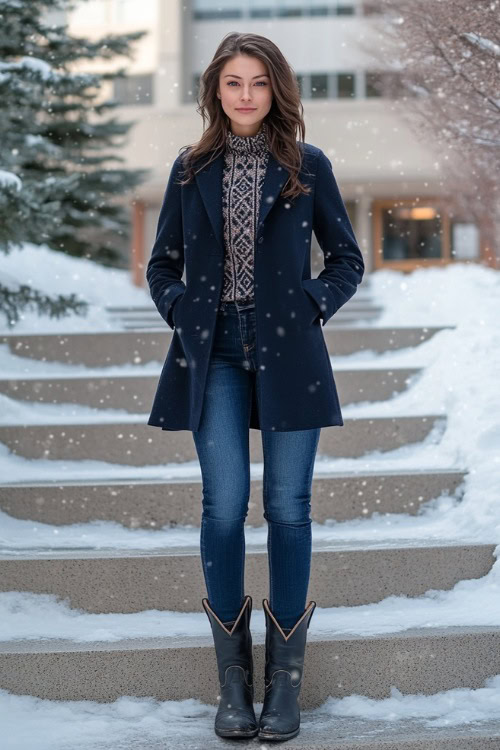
[(294, 387)]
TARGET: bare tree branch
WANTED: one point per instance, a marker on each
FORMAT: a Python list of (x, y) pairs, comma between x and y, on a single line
[(447, 54)]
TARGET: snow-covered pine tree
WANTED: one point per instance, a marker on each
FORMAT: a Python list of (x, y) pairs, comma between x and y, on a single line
[(59, 167)]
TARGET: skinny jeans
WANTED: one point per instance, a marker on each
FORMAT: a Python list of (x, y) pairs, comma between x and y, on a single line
[(222, 445)]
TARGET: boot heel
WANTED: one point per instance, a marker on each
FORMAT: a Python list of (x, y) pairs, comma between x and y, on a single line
[(233, 647)]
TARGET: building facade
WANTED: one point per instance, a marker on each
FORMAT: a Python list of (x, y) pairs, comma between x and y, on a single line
[(390, 181)]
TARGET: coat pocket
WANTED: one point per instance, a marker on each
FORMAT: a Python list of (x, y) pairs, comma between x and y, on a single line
[(175, 309), (315, 312)]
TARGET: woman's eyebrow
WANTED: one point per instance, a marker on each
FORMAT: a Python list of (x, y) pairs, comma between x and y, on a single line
[(235, 76)]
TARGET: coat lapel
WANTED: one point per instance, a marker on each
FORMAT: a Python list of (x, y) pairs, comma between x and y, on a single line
[(209, 181)]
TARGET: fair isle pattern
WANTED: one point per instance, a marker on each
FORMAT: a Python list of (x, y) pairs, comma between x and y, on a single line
[(245, 163)]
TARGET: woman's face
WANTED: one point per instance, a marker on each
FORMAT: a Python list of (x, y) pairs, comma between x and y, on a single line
[(244, 83)]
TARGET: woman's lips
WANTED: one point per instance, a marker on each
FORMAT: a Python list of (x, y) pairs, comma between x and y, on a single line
[(245, 109)]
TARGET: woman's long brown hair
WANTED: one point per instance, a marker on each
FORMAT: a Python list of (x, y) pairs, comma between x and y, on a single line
[(284, 118)]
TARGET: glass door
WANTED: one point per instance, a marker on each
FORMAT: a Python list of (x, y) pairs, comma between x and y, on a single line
[(410, 232)]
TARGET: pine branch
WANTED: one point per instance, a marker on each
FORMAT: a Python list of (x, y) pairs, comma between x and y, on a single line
[(15, 301)]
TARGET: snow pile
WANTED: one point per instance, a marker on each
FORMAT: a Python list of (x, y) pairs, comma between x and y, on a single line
[(25, 412), (57, 273), (14, 367), (434, 296), (33, 724), (448, 708), (10, 180), (475, 602)]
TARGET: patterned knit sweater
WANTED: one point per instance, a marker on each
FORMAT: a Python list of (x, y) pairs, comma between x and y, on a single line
[(245, 163)]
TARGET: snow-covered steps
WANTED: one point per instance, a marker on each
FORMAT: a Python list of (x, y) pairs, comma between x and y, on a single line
[(154, 504), (342, 574), (137, 444), (142, 724), (135, 392), (135, 318), (423, 660), (359, 303), (342, 319), (352, 733), (115, 347), (139, 317), (459, 719)]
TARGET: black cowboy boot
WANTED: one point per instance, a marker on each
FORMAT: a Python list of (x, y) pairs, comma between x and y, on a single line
[(233, 646), (285, 648)]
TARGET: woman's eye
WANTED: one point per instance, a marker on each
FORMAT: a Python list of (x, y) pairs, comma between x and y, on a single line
[(264, 83)]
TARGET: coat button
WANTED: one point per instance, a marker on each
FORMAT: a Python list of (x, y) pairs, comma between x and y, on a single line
[(261, 239)]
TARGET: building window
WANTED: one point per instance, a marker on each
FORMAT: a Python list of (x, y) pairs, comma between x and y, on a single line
[(319, 86), (217, 15), (319, 10), (134, 89), (345, 9), (261, 13), (352, 85), (327, 85), (289, 11), (219, 10), (410, 232), (346, 85), (216, 10)]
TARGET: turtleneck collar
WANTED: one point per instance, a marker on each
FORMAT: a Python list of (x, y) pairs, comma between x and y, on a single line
[(248, 144)]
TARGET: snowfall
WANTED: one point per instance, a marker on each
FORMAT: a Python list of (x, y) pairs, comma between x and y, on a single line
[(459, 377)]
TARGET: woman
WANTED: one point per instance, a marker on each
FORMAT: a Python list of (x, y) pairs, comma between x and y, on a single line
[(248, 352)]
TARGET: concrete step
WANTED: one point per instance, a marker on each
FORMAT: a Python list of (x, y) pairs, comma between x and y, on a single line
[(319, 732), (136, 444), (359, 302), (415, 661), (135, 393), (360, 310), (329, 733), (351, 733), (122, 347), (362, 298), (342, 574), (155, 504), (148, 323)]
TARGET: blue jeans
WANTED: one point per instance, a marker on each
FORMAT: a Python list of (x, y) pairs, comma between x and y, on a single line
[(222, 445)]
